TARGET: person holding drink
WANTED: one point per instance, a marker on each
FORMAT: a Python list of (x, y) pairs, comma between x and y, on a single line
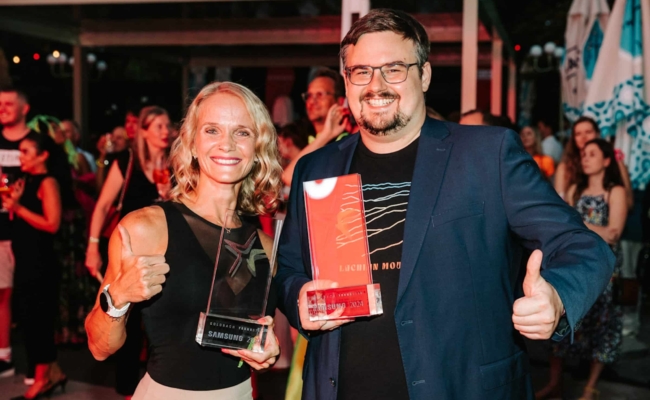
[(36, 205), (225, 160), (131, 177)]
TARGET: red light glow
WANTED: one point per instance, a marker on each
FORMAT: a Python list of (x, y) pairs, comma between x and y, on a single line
[(37, 56), (517, 47)]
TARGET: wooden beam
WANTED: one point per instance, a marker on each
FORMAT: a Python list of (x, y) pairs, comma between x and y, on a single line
[(512, 90), (441, 28), (497, 72), (470, 56), (80, 2), (11, 22)]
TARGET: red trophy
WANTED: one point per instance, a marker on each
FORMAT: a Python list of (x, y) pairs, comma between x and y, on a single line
[(338, 244)]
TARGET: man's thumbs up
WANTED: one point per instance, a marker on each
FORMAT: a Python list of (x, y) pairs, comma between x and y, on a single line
[(537, 314)]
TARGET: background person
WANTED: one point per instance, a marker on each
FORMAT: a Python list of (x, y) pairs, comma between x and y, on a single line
[(225, 159), (150, 143), (599, 196), (532, 142), (584, 130), (36, 206)]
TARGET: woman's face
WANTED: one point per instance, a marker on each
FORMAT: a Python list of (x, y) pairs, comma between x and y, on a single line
[(582, 133), (30, 161), (225, 139), (593, 160), (527, 136), (157, 135)]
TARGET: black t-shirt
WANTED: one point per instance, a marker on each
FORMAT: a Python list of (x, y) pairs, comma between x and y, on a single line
[(370, 360), (10, 165)]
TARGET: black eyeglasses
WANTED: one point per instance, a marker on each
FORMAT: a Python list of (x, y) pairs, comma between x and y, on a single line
[(316, 96), (392, 73)]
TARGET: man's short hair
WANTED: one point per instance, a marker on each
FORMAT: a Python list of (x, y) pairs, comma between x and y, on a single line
[(383, 20), (339, 84), (13, 89)]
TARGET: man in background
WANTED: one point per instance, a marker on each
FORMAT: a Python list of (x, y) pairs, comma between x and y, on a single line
[(324, 100), (550, 145)]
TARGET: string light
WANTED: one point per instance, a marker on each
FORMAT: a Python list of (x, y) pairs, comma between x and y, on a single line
[(16, 59), (37, 56), (56, 54)]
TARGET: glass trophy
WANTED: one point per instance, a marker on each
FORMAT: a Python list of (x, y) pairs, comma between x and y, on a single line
[(240, 289), (338, 244)]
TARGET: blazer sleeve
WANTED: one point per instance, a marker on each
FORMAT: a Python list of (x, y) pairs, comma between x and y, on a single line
[(576, 261), (292, 273)]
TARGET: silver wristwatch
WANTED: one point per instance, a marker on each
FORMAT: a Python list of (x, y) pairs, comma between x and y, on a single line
[(106, 304)]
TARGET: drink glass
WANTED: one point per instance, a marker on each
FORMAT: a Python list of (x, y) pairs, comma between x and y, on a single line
[(161, 173)]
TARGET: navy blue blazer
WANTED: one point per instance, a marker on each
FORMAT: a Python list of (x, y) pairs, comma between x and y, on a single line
[(476, 198)]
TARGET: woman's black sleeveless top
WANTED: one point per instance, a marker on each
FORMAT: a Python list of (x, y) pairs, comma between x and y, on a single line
[(171, 317)]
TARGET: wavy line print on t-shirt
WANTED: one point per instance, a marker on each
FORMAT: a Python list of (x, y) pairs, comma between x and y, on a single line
[(374, 214)]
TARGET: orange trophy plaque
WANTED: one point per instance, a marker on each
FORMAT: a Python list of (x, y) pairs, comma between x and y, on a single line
[(338, 244)]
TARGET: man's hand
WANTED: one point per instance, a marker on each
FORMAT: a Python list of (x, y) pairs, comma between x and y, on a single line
[(537, 314), (304, 311), (335, 122), (140, 277)]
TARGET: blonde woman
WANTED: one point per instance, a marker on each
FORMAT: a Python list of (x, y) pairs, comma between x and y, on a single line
[(532, 141), (150, 144), (225, 159)]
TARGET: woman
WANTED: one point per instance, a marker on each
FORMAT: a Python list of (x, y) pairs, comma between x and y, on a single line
[(150, 144), (36, 207), (225, 159), (584, 130), (532, 142), (599, 196)]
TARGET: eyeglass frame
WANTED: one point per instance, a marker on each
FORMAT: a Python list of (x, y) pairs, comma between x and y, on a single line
[(306, 95), (348, 70)]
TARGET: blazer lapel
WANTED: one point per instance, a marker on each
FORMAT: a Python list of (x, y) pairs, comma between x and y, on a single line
[(430, 165)]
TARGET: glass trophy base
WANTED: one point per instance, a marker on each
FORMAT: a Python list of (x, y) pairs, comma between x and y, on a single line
[(356, 301), (231, 333)]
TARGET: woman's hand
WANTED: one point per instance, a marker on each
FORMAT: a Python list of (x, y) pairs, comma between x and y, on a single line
[(271, 349), (10, 201), (93, 260), (140, 277)]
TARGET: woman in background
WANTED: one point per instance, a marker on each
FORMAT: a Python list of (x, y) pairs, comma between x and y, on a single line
[(36, 207), (599, 197), (532, 141), (149, 145), (585, 129)]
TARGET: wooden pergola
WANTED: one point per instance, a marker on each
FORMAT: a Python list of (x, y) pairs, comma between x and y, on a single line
[(458, 39)]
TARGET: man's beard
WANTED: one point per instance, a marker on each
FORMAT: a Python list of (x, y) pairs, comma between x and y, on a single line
[(384, 127)]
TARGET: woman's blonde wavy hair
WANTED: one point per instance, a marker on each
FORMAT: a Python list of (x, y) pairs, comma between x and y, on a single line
[(261, 189), (139, 146)]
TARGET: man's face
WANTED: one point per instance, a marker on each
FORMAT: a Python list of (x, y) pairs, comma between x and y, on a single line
[(70, 131), (131, 125), (13, 109), (379, 107), (321, 98)]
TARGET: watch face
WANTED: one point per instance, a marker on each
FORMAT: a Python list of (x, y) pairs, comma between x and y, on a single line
[(103, 302)]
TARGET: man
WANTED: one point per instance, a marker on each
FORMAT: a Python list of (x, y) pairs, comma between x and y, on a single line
[(550, 145), (71, 132), (450, 214), (324, 100), (13, 110)]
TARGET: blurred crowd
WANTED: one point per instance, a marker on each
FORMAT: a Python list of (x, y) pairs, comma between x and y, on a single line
[(61, 203)]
